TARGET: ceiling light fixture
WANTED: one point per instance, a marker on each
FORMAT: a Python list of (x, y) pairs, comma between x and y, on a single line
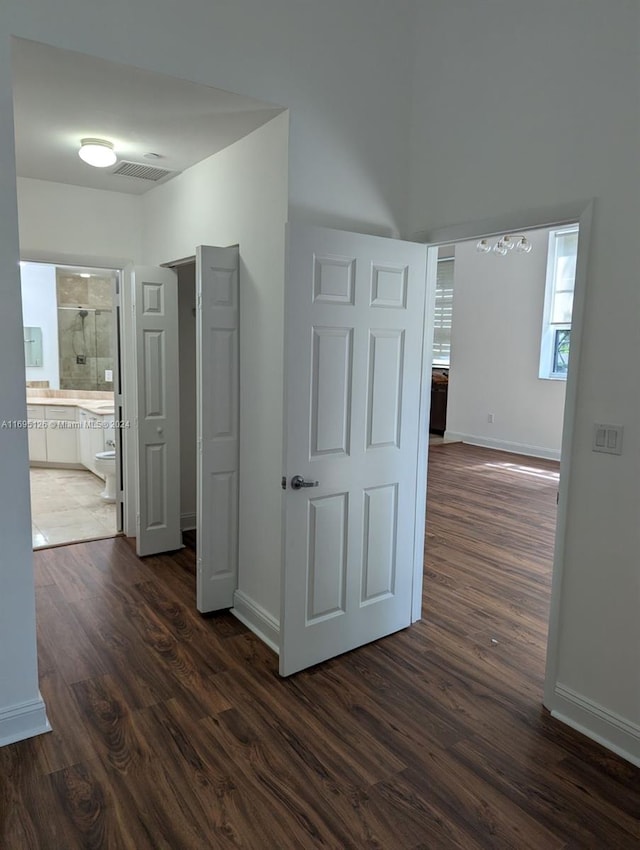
[(505, 244), (97, 152)]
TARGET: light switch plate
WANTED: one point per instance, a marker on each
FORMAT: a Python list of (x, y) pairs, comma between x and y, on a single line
[(607, 439)]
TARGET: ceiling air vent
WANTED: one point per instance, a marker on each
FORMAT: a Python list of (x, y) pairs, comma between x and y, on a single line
[(143, 172)]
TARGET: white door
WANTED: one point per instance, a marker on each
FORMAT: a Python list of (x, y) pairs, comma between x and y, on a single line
[(354, 308), (217, 311), (157, 420), (118, 398)]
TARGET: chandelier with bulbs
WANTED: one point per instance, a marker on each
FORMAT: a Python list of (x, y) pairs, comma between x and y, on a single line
[(505, 245)]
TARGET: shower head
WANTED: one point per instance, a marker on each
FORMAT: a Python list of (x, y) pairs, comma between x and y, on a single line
[(83, 313)]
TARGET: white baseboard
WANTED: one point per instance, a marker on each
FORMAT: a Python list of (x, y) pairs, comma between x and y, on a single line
[(187, 522), (614, 732), (504, 445), (22, 721), (44, 464), (254, 617)]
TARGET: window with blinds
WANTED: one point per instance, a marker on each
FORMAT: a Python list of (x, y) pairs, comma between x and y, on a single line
[(558, 303), (443, 313)]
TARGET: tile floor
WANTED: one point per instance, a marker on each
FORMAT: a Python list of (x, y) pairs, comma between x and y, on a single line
[(66, 507)]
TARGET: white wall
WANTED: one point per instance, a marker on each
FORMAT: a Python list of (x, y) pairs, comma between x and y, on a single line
[(519, 106), (187, 378), (58, 221), (240, 196), (40, 309), (495, 355), (22, 711)]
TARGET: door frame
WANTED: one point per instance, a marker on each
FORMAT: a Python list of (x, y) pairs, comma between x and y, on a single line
[(555, 216), (123, 444)]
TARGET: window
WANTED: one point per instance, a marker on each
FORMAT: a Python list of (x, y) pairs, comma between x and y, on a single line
[(558, 303), (443, 313)]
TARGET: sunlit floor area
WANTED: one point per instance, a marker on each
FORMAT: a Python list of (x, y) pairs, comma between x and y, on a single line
[(66, 507)]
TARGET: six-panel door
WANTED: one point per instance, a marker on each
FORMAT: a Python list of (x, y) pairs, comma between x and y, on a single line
[(353, 361)]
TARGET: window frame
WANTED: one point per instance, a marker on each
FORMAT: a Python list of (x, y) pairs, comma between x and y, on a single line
[(439, 361), (550, 329)]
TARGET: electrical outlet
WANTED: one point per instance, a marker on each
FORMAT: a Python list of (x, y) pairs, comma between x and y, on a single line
[(108, 375), (607, 439)]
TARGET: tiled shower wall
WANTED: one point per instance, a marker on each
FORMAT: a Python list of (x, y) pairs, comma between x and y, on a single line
[(85, 331)]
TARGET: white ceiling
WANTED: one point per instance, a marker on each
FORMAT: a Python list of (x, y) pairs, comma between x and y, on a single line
[(61, 97)]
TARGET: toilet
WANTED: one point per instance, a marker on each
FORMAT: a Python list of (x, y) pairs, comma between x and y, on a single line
[(105, 463)]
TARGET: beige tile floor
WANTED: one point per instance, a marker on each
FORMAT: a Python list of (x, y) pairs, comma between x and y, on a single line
[(66, 507)]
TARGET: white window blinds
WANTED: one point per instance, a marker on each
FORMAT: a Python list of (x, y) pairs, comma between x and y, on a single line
[(443, 313), (565, 255)]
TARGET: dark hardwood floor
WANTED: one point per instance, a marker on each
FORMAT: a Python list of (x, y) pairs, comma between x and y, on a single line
[(174, 731)]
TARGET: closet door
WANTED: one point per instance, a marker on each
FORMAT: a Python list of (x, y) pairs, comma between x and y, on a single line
[(217, 382)]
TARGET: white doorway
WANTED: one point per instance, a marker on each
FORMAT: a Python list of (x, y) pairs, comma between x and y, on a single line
[(72, 358), (560, 217), (505, 348), (201, 298)]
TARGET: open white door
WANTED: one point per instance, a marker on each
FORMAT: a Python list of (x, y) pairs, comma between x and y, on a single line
[(118, 398), (157, 420), (354, 308), (217, 314)]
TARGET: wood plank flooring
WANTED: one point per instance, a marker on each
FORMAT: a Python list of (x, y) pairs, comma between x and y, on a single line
[(174, 731)]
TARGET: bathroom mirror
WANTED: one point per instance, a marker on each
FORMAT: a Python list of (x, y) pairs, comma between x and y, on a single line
[(32, 346)]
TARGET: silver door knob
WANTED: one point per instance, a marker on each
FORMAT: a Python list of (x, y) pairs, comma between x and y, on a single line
[(298, 482)]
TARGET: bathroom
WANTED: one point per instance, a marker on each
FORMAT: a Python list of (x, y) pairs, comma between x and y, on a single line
[(69, 336)]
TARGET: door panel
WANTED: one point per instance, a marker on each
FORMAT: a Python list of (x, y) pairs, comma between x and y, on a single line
[(380, 536), (331, 391), (384, 402), (157, 410), (217, 331), (353, 362), (327, 563)]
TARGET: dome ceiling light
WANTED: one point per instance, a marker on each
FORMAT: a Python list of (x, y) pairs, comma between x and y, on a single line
[(97, 152)]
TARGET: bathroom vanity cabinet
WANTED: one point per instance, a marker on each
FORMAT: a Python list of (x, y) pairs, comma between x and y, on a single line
[(53, 438), (37, 435), (92, 438), (61, 434), (67, 435)]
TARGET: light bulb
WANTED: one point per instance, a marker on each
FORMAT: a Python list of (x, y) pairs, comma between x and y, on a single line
[(483, 247), (508, 243), (500, 248), (524, 246), (97, 152)]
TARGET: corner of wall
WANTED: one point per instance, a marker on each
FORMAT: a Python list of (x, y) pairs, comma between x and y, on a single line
[(257, 619), (22, 721), (596, 722)]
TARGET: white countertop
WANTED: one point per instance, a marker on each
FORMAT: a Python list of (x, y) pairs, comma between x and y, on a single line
[(99, 407)]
